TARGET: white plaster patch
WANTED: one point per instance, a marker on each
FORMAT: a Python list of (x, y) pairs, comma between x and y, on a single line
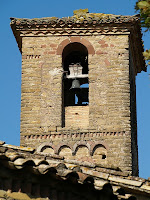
[(55, 71)]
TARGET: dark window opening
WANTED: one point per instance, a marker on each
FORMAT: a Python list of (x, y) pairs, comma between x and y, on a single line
[(76, 57), (103, 156), (76, 96), (75, 80)]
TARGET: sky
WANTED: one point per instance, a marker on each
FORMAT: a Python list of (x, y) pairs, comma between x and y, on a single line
[(10, 65)]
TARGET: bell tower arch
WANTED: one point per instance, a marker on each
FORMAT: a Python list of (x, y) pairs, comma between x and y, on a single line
[(75, 97), (78, 39)]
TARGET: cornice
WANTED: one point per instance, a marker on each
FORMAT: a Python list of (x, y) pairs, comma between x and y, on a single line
[(80, 19), (74, 31)]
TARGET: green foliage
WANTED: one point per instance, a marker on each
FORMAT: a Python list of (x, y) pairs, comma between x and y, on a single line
[(147, 54), (143, 6)]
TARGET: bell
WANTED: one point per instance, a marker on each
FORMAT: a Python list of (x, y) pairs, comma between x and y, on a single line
[(75, 84)]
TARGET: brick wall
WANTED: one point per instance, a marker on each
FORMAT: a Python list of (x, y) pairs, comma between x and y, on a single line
[(41, 85), (77, 116), (109, 88), (109, 97), (117, 146)]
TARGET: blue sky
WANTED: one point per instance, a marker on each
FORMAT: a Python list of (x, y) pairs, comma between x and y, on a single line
[(10, 65)]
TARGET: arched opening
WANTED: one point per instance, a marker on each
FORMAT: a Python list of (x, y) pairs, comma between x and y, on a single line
[(75, 64), (75, 94)]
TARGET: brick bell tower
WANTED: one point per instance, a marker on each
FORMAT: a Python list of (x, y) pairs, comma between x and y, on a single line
[(78, 87)]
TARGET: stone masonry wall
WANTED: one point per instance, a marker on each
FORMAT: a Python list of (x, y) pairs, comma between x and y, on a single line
[(109, 95), (77, 116), (109, 88), (41, 85), (116, 144)]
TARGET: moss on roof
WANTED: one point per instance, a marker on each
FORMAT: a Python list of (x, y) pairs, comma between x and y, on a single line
[(80, 16)]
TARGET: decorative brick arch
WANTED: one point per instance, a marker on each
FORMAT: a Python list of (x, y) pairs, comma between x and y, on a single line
[(78, 39), (96, 144), (45, 144), (61, 145), (80, 143)]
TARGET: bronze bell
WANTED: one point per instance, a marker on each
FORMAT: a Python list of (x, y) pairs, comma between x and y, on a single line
[(75, 84)]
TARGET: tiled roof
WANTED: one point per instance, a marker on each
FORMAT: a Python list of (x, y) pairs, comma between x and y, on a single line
[(16, 158), (79, 17)]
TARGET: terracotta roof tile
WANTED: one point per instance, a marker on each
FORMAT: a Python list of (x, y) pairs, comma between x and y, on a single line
[(41, 164)]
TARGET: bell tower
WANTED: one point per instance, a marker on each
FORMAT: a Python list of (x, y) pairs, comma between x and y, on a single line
[(78, 87)]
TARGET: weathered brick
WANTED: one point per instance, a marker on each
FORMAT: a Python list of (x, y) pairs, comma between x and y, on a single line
[(108, 112), (100, 52), (43, 46), (75, 39), (53, 45)]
